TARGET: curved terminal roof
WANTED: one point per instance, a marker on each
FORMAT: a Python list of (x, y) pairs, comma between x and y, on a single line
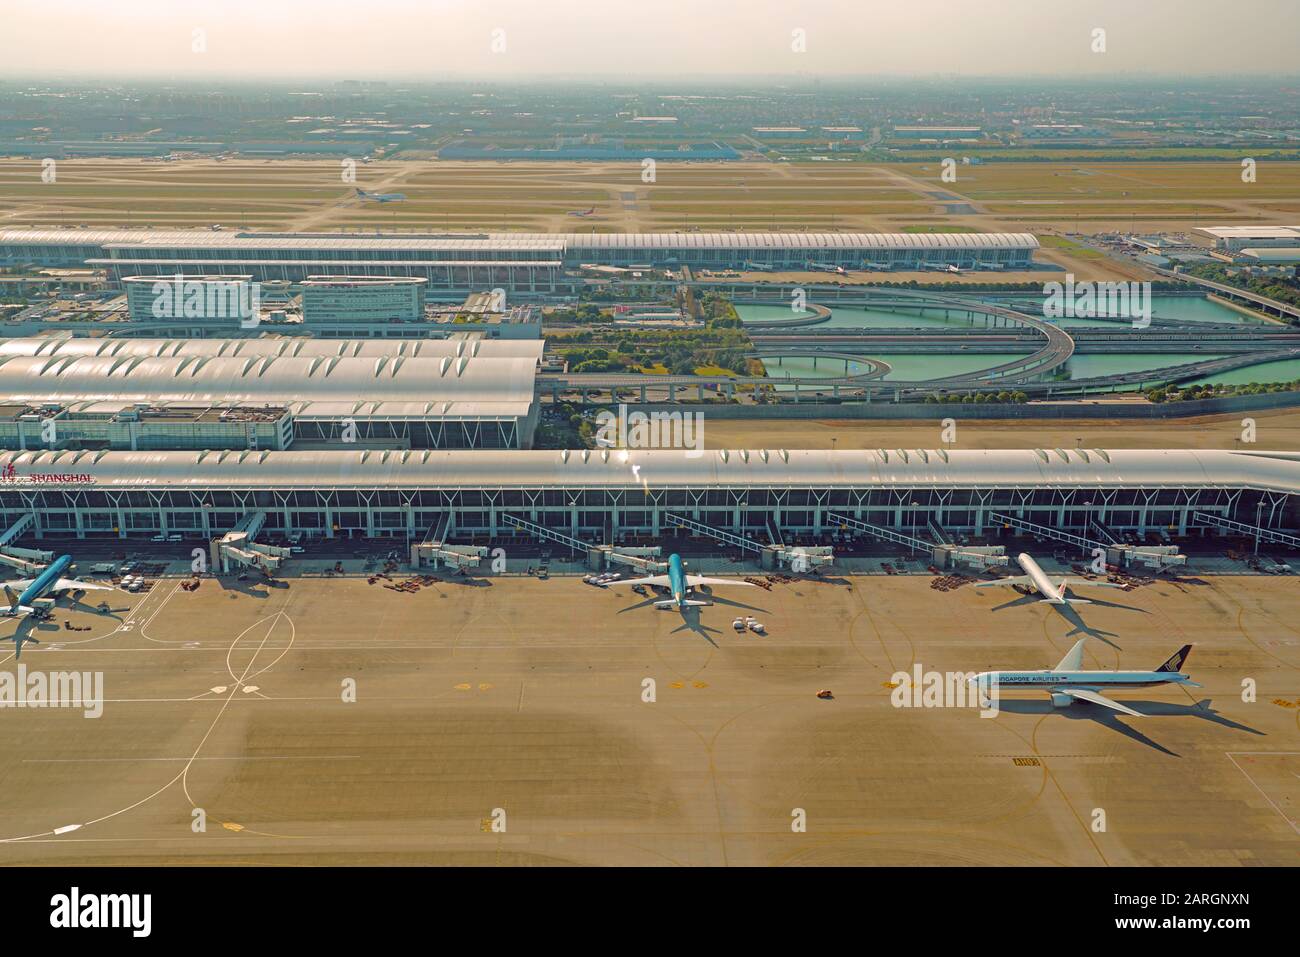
[(735, 469), (208, 238), (496, 385), (578, 241), (481, 242), (482, 348)]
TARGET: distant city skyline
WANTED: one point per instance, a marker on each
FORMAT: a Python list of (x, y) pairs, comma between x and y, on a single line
[(504, 40)]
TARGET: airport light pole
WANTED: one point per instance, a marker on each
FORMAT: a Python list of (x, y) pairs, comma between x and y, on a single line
[(1258, 509)]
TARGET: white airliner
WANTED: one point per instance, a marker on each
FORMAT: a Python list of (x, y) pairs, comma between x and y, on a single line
[(680, 585), (1067, 683), (1052, 592)]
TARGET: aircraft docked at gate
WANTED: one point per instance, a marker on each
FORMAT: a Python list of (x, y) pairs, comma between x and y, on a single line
[(680, 584), (1052, 592), (49, 582), (1067, 682)]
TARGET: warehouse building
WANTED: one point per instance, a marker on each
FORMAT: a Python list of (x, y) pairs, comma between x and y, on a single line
[(607, 494), (1233, 239)]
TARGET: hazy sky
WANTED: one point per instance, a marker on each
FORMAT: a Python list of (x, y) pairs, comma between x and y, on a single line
[(359, 39)]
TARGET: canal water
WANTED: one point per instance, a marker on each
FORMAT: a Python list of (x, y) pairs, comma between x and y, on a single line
[(1183, 308), (917, 367), (1285, 371)]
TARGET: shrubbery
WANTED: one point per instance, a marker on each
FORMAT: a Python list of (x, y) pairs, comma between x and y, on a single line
[(994, 398)]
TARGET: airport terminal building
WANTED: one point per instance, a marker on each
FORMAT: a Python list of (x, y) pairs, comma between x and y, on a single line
[(531, 263), (605, 496), (267, 394)]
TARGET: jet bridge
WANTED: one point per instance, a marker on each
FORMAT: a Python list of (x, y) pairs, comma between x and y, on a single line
[(1122, 553), (798, 558), (238, 548), (942, 554), (643, 559), (434, 550), (26, 560), (1117, 553)]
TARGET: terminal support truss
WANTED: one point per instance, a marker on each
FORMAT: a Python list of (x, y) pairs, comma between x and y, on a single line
[(550, 534), (1254, 531), (1046, 531), (885, 534), (800, 558), (699, 528)]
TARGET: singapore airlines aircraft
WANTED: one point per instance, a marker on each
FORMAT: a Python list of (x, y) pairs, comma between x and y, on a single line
[(680, 584), (1052, 592), (1067, 683)]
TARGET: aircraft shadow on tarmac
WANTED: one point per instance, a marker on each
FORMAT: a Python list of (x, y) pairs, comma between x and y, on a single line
[(691, 614), (75, 602), (253, 588), (1071, 614), (1083, 711), (713, 599), (469, 581), (24, 632), (691, 622), (821, 580)]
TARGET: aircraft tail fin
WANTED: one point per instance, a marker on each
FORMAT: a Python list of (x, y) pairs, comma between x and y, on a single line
[(1073, 659), (1176, 662), (13, 599)]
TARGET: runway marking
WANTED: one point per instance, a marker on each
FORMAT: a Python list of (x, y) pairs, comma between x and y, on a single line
[(232, 757), (1295, 827), (1065, 797), (183, 774)]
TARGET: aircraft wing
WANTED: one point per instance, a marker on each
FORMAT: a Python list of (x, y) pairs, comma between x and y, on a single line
[(1014, 580), (20, 585), (661, 581), (1087, 583), (73, 584), (1083, 694), (694, 580)]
